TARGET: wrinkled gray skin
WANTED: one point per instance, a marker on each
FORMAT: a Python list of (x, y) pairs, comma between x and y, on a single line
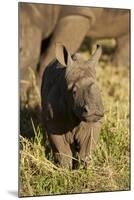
[(68, 25), (72, 108)]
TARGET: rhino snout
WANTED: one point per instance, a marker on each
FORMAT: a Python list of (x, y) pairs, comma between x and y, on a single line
[(90, 115)]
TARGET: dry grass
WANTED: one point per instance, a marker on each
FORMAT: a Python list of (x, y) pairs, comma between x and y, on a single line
[(110, 164)]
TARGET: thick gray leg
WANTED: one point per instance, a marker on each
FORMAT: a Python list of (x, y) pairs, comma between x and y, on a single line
[(29, 44), (70, 31), (88, 138), (61, 150), (29, 50), (30, 41), (122, 56)]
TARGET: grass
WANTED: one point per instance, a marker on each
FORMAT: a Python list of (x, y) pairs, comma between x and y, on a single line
[(110, 165)]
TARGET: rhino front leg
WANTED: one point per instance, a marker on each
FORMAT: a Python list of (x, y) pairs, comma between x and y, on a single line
[(88, 141), (61, 150), (70, 31), (121, 57)]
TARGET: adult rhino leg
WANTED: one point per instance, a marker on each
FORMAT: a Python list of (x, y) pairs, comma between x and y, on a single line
[(70, 31), (29, 51), (61, 150), (122, 56)]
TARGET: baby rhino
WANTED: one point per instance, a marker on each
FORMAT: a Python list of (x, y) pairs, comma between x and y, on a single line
[(72, 108)]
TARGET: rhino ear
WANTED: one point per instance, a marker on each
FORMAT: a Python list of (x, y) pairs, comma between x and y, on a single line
[(96, 56), (63, 55)]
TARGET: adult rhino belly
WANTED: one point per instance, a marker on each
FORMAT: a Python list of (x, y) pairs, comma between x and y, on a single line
[(111, 23)]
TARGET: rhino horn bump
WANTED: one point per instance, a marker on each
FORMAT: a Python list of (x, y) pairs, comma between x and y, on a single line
[(96, 56)]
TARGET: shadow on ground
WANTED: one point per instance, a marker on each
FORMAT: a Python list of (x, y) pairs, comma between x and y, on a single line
[(13, 193)]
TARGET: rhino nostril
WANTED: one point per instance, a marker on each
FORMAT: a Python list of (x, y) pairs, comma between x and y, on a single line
[(85, 109)]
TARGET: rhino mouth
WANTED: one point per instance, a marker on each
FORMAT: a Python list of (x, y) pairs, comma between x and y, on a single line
[(88, 117), (92, 118)]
